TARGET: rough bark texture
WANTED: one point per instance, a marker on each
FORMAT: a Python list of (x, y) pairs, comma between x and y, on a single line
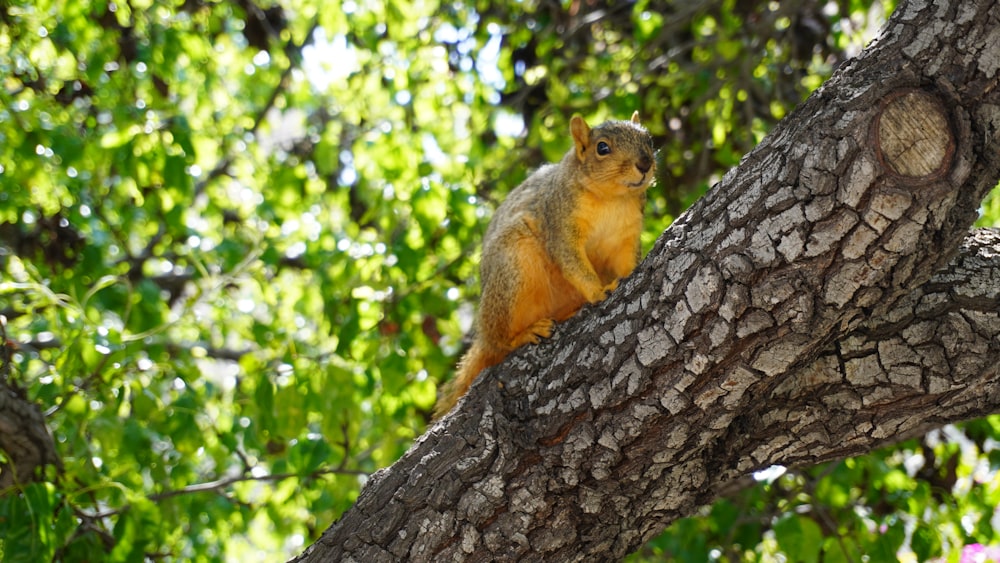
[(786, 318), (24, 438), (933, 358)]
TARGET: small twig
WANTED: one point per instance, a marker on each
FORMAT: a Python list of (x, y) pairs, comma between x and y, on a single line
[(293, 63), (219, 485)]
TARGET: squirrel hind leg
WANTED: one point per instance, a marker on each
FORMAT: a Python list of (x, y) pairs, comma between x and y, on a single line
[(535, 301), (518, 305)]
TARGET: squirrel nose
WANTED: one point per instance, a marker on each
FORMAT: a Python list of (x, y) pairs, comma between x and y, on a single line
[(644, 164)]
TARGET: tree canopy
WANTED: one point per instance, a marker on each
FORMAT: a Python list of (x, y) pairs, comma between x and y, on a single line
[(238, 252)]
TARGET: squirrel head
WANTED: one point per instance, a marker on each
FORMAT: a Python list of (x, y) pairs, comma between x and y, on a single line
[(615, 154)]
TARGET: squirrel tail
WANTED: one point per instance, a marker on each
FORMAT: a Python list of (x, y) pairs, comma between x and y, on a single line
[(474, 361)]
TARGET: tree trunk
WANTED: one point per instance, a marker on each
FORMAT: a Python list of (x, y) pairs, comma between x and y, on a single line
[(788, 317), (24, 438)]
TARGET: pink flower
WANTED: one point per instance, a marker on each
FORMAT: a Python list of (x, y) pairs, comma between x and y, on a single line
[(979, 553)]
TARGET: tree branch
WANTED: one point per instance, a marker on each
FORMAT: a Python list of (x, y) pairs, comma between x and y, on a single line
[(24, 438), (638, 409), (932, 359), (219, 485), (294, 53)]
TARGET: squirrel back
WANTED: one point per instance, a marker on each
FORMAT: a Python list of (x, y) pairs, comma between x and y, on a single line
[(561, 239)]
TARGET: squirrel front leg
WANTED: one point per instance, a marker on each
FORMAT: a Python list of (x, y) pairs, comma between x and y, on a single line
[(579, 272), (618, 266)]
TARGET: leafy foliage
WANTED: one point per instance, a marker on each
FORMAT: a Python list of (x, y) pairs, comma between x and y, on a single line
[(917, 501), (238, 251)]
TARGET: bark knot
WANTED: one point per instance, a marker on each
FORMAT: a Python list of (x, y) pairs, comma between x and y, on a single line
[(913, 136)]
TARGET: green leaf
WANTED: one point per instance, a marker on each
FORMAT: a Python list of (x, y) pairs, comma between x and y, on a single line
[(799, 537)]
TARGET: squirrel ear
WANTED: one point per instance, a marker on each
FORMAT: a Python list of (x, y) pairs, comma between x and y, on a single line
[(635, 117), (581, 135)]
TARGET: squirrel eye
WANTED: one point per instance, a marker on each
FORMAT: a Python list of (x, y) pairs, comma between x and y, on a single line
[(603, 148)]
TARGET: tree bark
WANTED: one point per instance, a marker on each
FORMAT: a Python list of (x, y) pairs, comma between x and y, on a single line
[(24, 438), (932, 359), (789, 317)]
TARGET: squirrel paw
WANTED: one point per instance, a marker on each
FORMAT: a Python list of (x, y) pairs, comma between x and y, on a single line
[(541, 329), (602, 293)]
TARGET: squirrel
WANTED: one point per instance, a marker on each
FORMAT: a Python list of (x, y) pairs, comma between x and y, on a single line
[(561, 239)]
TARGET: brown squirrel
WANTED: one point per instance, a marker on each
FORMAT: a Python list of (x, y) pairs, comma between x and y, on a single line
[(561, 239)]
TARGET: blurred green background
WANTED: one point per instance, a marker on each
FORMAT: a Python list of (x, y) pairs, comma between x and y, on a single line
[(239, 247)]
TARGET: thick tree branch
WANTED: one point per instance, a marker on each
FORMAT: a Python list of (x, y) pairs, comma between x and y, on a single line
[(851, 400), (934, 358), (24, 437), (786, 281)]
